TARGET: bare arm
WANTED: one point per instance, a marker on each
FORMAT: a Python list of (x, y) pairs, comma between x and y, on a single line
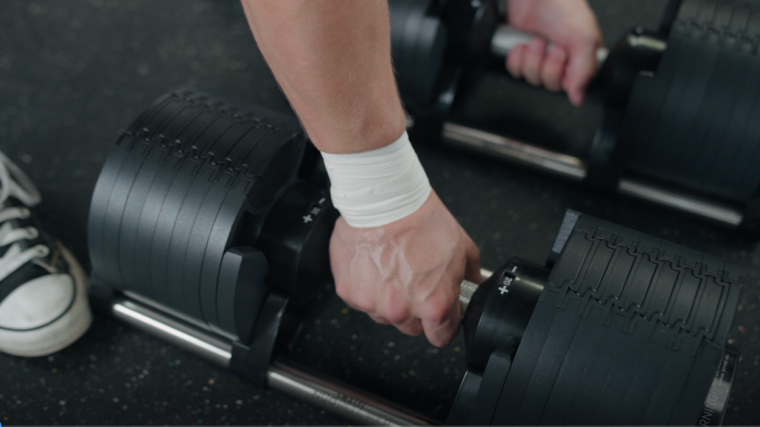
[(332, 59)]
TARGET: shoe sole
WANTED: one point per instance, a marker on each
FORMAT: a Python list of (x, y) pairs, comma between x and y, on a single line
[(63, 331)]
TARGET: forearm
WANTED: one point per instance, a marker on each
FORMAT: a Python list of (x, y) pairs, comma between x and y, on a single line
[(332, 59)]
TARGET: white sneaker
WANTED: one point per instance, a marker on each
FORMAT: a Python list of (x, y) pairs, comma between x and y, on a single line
[(43, 289)]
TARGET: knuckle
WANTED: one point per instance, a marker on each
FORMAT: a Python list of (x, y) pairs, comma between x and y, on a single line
[(438, 311), (396, 315)]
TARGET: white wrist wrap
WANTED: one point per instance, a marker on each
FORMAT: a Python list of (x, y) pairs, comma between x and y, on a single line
[(377, 187)]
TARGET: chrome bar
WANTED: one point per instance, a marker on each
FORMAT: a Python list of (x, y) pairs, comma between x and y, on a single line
[(574, 168), (510, 149), (466, 291), (350, 403), (707, 209), (344, 400), (175, 331)]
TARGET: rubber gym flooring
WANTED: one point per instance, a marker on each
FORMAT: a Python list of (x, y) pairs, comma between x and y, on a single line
[(74, 74)]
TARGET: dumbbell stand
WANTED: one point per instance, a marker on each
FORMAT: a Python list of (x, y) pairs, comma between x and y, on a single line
[(344, 400), (575, 169)]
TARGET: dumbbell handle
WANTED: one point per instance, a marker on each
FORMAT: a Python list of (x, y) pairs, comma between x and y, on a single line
[(467, 290), (507, 37)]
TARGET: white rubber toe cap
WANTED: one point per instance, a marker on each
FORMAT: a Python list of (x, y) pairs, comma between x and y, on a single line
[(37, 302)]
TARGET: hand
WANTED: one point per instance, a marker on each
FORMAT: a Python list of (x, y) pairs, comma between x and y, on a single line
[(570, 62), (407, 273)]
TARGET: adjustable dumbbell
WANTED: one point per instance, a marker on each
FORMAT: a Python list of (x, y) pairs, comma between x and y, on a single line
[(210, 224), (679, 104)]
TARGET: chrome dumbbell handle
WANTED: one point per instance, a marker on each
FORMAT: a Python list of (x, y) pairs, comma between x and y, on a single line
[(467, 290), (507, 37)]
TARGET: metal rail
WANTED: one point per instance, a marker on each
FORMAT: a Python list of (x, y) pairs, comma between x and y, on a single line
[(575, 169), (346, 401)]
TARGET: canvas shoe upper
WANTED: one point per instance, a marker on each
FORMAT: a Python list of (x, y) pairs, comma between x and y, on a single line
[(43, 290)]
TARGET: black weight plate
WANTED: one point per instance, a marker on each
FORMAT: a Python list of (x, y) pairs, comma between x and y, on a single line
[(103, 189), (183, 288), (261, 160), (160, 220), (524, 363), (136, 201), (688, 10), (204, 221), (159, 215), (146, 229), (588, 344), (247, 143), (196, 251), (491, 384), (691, 399), (645, 109), (706, 12), (218, 241), (404, 60), (727, 126), (123, 185), (725, 89), (589, 394), (683, 99), (414, 14), (431, 44), (739, 145), (182, 227), (753, 23), (222, 229), (663, 391), (739, 20), (548, 365), (396, 19), (418, 50)]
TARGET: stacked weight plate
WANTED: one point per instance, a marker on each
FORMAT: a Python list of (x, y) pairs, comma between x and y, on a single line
[(629, 329), (418, 43), (190, 179), (695, 122)]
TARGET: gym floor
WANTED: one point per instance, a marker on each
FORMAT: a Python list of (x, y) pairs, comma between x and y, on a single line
[(74, 74)]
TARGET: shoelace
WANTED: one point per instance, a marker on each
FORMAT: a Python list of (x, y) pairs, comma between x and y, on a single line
[(14, 182)]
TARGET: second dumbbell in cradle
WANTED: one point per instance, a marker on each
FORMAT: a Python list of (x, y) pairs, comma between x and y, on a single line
[(613, 318), (668, 135)]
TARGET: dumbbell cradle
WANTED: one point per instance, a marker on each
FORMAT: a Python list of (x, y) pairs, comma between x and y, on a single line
[(669, 133), (246, 181)]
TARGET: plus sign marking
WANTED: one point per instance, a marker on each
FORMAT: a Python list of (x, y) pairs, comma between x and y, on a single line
[(504, 289)]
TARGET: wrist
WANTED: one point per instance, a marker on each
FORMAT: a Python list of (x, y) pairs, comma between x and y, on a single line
[(377, 187)]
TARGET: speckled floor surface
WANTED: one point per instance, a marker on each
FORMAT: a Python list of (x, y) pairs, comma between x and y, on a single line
[(74, 74)]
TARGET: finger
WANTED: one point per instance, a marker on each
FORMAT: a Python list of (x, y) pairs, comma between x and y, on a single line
[(515, 60), (534, 56), (579, 71), (442, 330), (379, 319), (395, 307), (553, 67), (413, 327)]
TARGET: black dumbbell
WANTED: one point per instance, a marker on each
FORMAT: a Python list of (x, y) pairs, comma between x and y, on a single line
[(613, 319), (679, 104)]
